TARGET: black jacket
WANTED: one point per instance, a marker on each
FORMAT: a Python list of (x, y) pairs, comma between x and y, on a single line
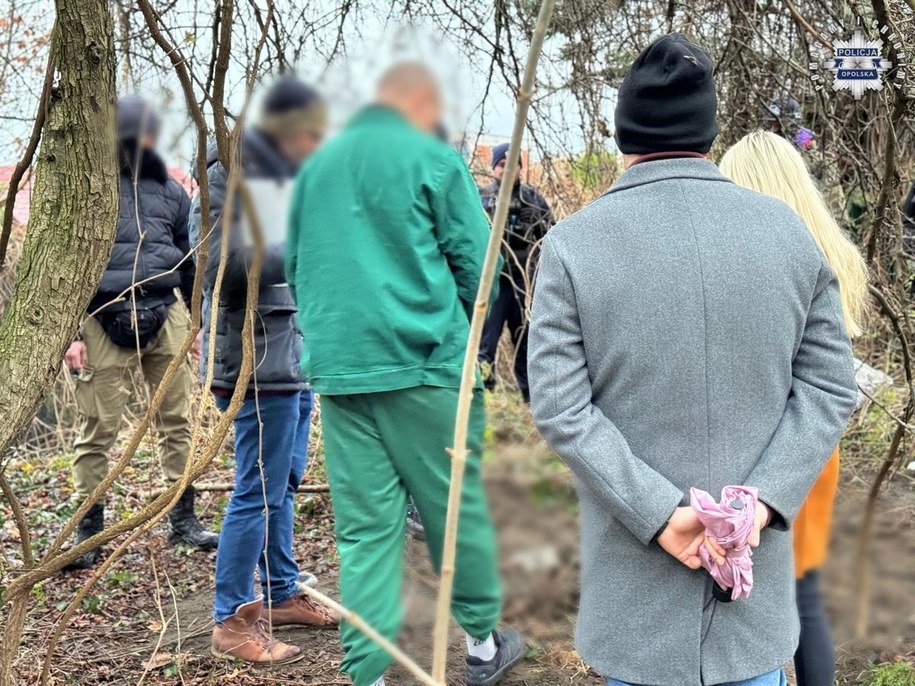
[(153, 203), (908, 222), (529, 218), (277, 338)]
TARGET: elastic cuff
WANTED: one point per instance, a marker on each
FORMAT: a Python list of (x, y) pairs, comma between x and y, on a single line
[(777, 521)]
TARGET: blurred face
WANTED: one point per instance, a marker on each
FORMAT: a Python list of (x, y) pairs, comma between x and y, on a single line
[(499, 170), (298, 147), (148, 141), (424, 109)]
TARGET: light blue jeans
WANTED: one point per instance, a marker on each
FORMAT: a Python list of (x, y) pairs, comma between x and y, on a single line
[(275, 428), (776, 678)]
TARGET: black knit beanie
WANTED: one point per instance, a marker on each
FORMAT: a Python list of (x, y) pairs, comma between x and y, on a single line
[(667, 100)]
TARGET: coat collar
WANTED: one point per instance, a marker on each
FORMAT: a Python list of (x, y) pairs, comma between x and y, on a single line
[(261, 155), (661, 170), (145, 165)]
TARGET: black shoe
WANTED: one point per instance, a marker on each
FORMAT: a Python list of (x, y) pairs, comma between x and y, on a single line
[(93, 523), (186, 527), (415, 526), (509, 652)]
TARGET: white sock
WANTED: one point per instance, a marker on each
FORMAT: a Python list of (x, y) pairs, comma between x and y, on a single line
[(484, 650), (380, 682)]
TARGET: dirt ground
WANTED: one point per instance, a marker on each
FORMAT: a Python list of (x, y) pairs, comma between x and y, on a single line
[(892, 560), (538, 602), (149, 620)]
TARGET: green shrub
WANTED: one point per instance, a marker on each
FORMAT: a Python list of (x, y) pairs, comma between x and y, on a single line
[(898, 673)]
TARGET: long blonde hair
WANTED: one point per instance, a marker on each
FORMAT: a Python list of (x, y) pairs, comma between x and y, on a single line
[(769, 164)]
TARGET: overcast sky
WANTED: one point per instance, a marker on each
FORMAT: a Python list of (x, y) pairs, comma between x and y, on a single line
[(348, 83)]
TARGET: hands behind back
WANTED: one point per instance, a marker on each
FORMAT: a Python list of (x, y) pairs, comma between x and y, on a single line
[(684, 534)]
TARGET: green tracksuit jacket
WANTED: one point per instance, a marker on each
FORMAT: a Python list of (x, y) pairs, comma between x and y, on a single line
[(386, 245)]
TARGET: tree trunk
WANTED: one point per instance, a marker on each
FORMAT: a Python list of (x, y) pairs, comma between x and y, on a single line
[(73, 215)]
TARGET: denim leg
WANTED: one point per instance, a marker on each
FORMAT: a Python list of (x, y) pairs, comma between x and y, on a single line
[(261, 429), (773, 678), (283, 568)]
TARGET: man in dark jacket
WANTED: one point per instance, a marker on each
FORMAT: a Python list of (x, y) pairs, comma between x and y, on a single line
[(136, 322), (271, 428), (908, 223), (529, 218)]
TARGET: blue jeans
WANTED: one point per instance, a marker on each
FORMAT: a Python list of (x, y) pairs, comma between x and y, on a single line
[(246, 532), (776, 678)]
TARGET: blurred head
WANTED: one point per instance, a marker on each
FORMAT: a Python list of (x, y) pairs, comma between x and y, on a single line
[(499, 160), (412, 89), (294, 116), (667, 101), (137, 122), (782, 115), (767, 163)]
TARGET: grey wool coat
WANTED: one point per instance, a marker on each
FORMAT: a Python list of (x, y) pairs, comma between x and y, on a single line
[(686, 332)]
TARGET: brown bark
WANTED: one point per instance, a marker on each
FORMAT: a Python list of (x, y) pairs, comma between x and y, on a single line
[(73, 215), (73, 219), (12, 633)]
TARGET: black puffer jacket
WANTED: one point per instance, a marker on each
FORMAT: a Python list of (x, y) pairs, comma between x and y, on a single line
[(154, 203), (529, 218), (277, 338)]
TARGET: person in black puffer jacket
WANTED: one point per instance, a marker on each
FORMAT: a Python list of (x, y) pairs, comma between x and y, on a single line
[(529, 218), (135, 321), (272, 426)]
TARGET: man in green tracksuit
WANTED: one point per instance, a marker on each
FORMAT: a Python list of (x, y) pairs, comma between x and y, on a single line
[(386, 245)]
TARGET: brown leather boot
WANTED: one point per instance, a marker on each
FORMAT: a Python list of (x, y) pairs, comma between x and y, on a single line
[(301, 610), (246, 636)]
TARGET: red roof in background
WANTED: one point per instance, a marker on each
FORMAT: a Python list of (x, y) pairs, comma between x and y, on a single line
[(185, 178), (23, 198), (21, 208)]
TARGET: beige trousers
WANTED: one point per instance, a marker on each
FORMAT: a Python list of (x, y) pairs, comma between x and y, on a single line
[(103, 388)]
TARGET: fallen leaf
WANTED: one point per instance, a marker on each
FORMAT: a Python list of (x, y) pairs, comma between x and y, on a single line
[(158, 661)]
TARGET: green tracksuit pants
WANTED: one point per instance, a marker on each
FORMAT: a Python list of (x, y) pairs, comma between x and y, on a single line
[(382, 447)]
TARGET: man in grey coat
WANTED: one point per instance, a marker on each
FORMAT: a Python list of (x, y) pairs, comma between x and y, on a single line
[(741, 374)]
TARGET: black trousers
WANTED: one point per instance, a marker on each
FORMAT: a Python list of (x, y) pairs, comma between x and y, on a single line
[(815, 659), (508, 309)]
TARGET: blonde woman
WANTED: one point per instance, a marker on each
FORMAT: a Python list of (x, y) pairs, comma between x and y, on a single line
[(769, 164)]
